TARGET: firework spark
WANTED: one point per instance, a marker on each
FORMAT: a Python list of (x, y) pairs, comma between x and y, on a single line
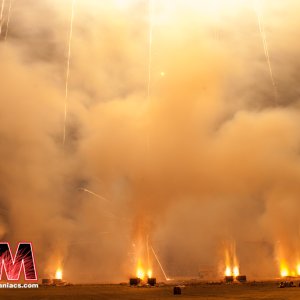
[(1, 15), (94, 194), (260, 20), (150, 47), (8, 19), (149, 59), (160, 265), (68, 70)]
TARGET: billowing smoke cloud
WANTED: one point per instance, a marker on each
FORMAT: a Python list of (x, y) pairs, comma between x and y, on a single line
[(211, 156)]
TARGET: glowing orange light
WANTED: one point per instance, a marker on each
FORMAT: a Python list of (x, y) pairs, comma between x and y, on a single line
[(298, 269), (149, 273), (284, 271), (236, 271), (58, 274), (228, 271), (140, 273)]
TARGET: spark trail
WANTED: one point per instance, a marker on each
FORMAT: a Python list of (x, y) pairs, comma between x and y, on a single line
[(8, 19), (104, 199), (94, 194), (150, 47), (1, 15), (257, 7), (68, 70), (150, 38), (162, 269)]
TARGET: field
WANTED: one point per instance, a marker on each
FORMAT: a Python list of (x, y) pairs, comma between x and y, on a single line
[(262, 290)]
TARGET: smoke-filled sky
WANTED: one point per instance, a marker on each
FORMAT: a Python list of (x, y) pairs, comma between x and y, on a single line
[(182, 130)]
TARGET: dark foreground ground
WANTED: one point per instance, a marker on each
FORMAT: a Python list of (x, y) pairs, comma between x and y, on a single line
[(266, 290)]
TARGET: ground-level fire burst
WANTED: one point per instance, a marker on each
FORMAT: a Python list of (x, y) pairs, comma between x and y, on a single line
[(57, 280)]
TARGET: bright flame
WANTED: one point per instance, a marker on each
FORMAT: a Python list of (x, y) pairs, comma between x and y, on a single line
[(284, 272), (140, 273), (228, 271), (58, 274), (232, 272), (298, 269), (236, 271), (149, 273)]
